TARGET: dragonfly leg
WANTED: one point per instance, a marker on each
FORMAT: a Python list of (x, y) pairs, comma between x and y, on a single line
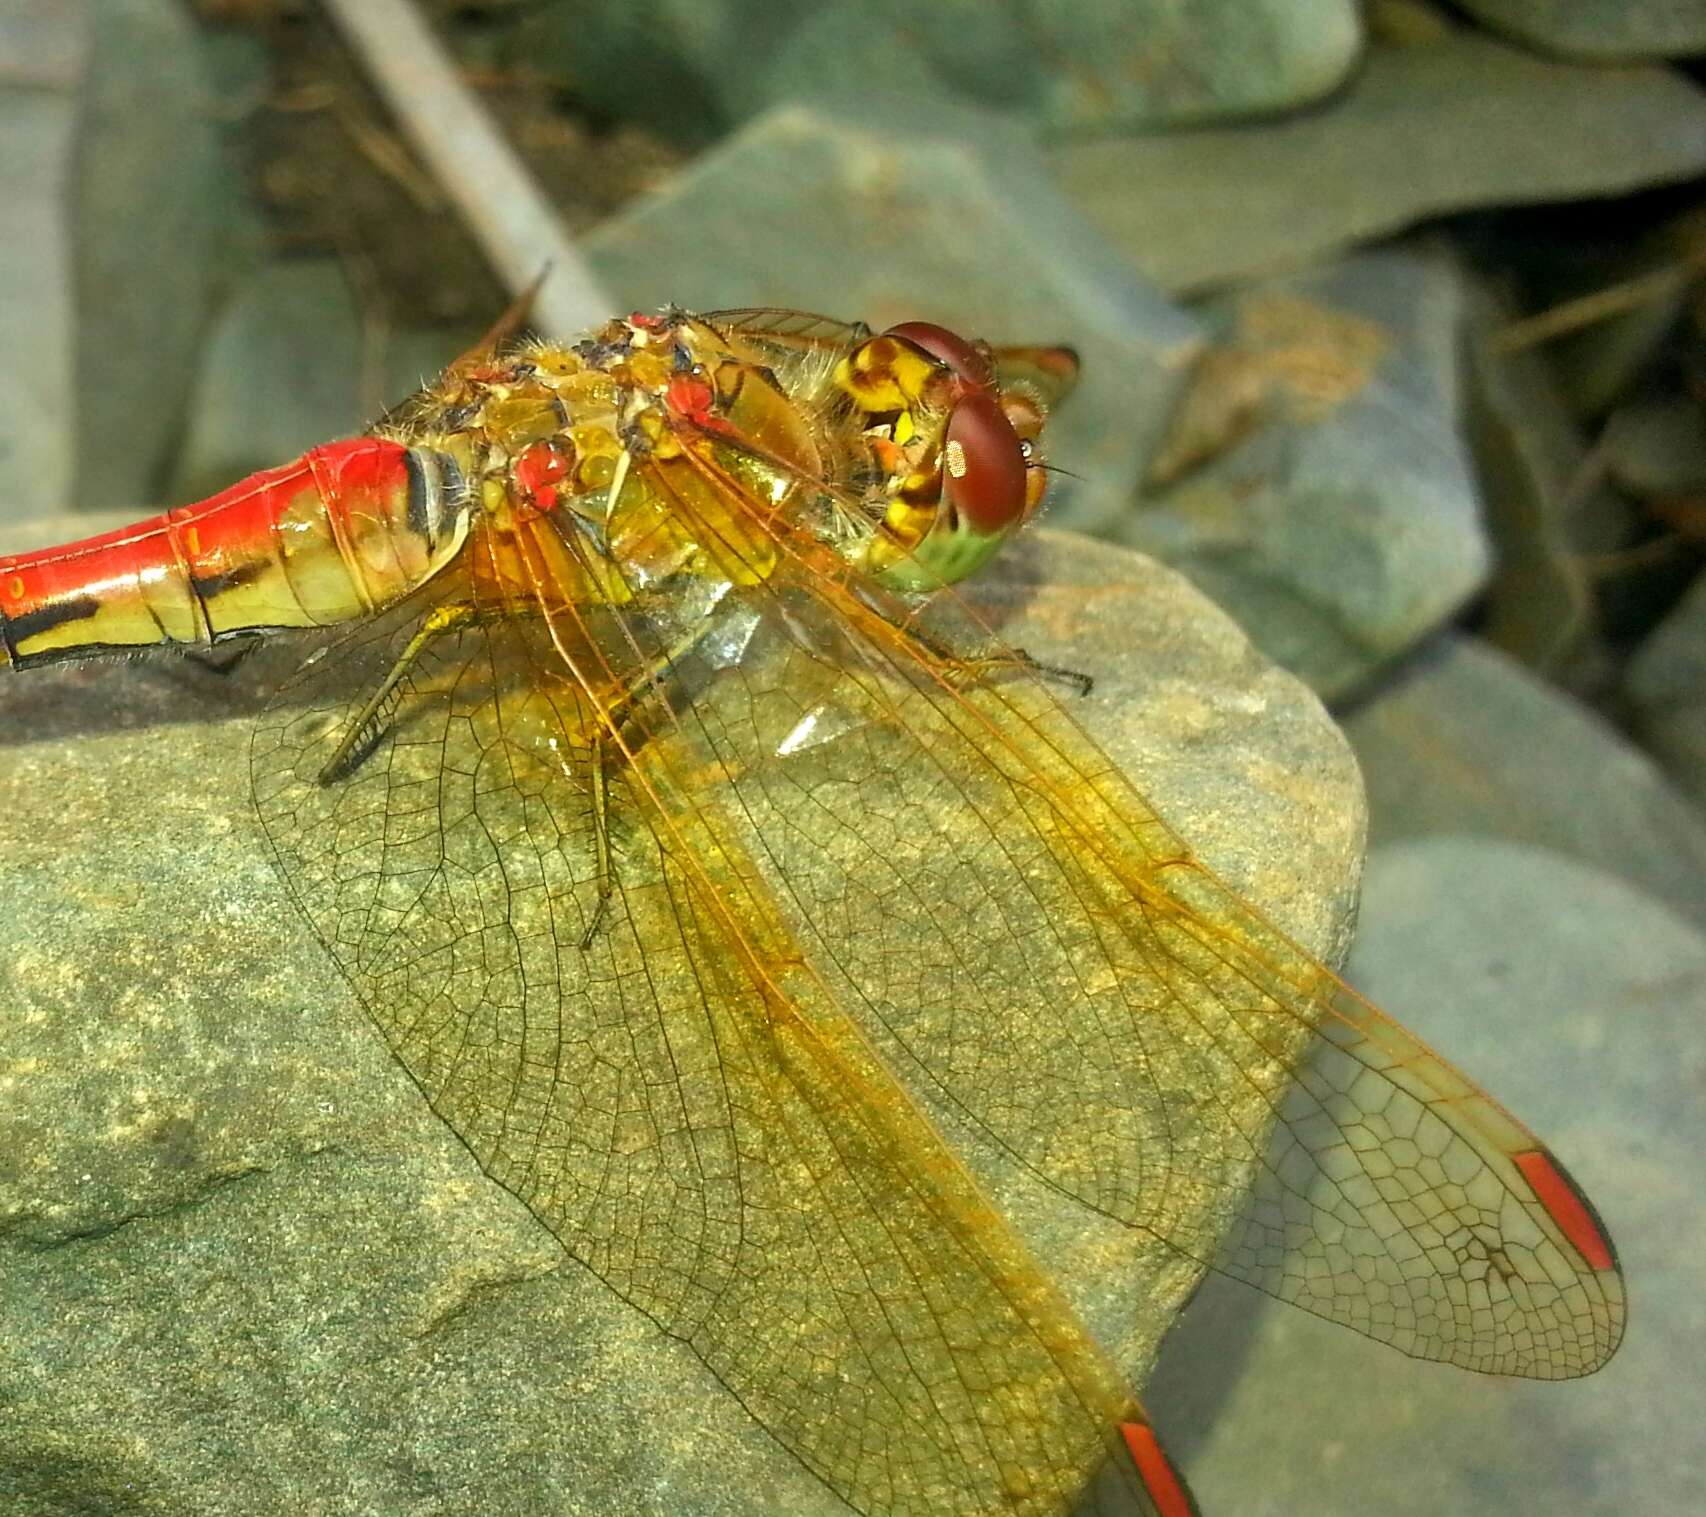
[(600, 775), (963, 671), (616, 725), (1011, 659), (363, 734), (223, 658)]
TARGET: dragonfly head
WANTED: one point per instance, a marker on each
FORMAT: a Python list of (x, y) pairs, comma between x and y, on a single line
[(953, 427)]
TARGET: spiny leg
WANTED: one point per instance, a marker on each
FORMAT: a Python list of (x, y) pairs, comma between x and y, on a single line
[(962, 671), (979, 667), (600, 835), (222, 658), (614, 725), (363, 733)]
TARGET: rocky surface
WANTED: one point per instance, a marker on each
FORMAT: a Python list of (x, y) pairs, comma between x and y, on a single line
[(1666, 687), (112, 181), (1462, 739), (1441, 126), (1094, 65), (1336, 516), (244, 1269)]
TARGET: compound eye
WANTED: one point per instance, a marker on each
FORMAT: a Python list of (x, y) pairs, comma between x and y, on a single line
[(946, 347), (983, 465)]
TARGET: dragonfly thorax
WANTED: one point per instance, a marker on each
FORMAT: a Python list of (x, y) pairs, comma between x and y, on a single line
[(669, 444)]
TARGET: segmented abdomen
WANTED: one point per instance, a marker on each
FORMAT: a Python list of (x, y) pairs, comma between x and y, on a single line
[(344, 530)]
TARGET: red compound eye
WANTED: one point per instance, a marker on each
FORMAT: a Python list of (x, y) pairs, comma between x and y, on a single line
[(945, 347), (983, 465)]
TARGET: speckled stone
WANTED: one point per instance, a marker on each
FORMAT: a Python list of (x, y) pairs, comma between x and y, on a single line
[(1094, 64), (1443, 126), (1666, 688), (244, 1269), (1462, 739), (1342, 524)]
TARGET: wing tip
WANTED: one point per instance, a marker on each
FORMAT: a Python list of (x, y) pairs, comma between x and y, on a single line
[(1566, 1203), (1161, 1479)]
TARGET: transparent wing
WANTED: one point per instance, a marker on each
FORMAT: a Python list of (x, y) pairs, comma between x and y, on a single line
[(676, 1094), (805, 327), (799, 346), (1024, 934)]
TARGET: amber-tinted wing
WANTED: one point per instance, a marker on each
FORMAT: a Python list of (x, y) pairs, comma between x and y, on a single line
[(803, 327), (681, 1100), (1024, 934), (798, 345)]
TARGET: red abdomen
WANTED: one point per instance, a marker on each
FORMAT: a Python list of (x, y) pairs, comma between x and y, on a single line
[(337, 534)]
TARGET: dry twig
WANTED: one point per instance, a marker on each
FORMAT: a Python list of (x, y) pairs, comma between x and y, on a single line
[(511, 219)]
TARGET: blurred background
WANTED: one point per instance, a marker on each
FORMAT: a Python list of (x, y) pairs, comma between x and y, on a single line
[(1394, 324)]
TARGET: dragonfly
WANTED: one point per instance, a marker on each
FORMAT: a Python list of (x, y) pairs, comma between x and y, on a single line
[(689, 836)]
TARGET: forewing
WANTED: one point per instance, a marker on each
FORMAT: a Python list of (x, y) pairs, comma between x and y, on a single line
[(680, 1100), (1024, 934), (799, 347), (805, 328), (1028, 936)]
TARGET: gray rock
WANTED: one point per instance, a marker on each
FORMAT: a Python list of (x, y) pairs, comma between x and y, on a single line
[(1341, 524), (1600, 29), (649, 63), (1113, 64), (246, 1271), (1666, 687), (1464, 740), (43, 49), (1421, 130), (149, 193), (286, 368), (865, 61), (1578, 1001), (1088, 65), (934, 215)]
